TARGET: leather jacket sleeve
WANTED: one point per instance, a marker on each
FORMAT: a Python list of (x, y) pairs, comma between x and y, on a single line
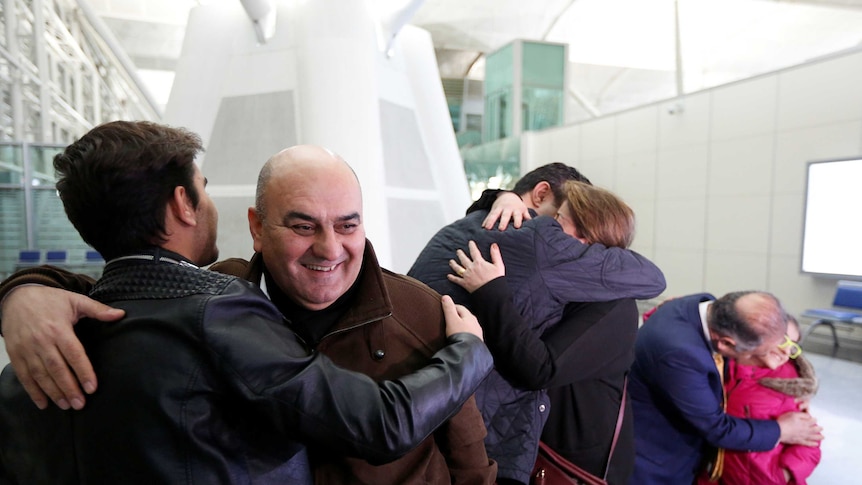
[(345, 411)]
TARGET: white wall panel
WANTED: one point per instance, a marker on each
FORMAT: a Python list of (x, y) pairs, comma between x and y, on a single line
[(636, 174), (786, 236), (826, 92), (644, 209), (744, 109), (691, 126), (680, 223), (797, 291), (597, 138), (738, 223), (683, 270), (600, 171), (682, 171), (733, 271), (637, 131), (741, 166), (565, 146), (535, 149), (795, 148)]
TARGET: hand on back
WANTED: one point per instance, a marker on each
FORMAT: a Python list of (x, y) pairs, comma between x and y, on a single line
[(507, 208), (472, 272), (43, 349)]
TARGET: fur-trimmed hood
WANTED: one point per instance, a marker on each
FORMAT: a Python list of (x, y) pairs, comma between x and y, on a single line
[(804, 386)]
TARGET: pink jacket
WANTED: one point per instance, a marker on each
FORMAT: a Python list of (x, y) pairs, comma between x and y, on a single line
[(762, 393)]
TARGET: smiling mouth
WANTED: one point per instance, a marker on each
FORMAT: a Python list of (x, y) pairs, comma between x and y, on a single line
[(324, 269)]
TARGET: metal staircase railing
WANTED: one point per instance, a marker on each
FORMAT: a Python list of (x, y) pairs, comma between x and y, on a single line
[(62, 72)]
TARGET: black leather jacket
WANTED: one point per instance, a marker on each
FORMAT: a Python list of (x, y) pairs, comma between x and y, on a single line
[(202, 383)]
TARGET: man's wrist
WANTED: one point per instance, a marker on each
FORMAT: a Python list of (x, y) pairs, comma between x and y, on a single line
[(6, 296)]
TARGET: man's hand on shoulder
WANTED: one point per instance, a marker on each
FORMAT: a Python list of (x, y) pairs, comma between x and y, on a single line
[(799, 429), (507, 208), (43, 349), (459, 319)]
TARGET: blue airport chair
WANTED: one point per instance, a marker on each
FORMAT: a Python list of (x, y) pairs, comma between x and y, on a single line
[(846, 309), (92, 256), (29, 257), (59, 256)]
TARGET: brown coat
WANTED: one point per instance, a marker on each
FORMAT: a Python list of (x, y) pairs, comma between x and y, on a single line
[(392, 329)]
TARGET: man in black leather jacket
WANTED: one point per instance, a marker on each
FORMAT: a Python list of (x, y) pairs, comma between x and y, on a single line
[(201, 382)]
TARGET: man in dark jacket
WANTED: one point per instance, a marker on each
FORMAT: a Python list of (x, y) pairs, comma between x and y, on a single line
[(552, 267), (202, 382)]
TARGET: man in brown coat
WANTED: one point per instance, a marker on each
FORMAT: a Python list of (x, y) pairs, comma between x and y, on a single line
[(312, 259)]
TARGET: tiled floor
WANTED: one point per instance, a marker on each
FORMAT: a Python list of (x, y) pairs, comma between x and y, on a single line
[(837, 407)]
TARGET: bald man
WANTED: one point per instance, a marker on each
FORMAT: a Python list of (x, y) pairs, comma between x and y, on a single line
[(313, 261), (677, 389)]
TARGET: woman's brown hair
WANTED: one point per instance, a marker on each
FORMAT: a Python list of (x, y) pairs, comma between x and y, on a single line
[(599, 215)]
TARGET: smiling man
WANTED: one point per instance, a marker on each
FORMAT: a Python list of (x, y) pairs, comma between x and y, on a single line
[(314, 262)]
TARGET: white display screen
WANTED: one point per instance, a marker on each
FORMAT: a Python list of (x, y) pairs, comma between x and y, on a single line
[(832, 239)]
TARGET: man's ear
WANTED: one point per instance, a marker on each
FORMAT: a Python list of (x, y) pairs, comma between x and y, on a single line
[(540, 192), (255, 227), (725, 345), (181, 207)]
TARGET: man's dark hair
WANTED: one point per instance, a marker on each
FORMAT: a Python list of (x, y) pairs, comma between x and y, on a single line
[(116, 180), (556, 174), (747, 326)]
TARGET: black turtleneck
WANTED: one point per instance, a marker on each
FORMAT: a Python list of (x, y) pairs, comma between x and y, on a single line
[(310, 325)]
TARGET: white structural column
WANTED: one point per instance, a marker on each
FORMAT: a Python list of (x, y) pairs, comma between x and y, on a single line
[(338, 103), (321, 79)]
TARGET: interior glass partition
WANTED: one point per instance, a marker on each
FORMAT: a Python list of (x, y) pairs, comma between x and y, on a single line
[(524, 87), (32, 218)]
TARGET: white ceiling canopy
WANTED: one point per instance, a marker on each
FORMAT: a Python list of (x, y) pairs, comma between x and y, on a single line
[(623, 52)]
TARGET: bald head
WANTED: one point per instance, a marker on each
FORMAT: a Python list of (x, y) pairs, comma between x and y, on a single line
[(310, 162), (748, 317), (307, 224)]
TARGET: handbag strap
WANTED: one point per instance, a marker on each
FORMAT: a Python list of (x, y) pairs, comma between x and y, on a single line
[(620, 414)]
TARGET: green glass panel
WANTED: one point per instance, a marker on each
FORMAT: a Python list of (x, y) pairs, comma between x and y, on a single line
[(42, 161), (11, 164), (499, 70), (13, 232), (542, 108), (492, 165), (543, 65)]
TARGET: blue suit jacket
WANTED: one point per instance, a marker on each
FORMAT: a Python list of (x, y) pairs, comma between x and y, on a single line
[(676, 396)]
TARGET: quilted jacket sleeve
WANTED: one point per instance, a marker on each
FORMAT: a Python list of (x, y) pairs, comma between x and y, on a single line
[(573, 271)]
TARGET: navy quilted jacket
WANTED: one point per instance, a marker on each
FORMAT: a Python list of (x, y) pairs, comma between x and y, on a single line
[(545, 268)]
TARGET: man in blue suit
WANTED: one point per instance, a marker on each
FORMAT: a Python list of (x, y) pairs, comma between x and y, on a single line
[(677, 392)]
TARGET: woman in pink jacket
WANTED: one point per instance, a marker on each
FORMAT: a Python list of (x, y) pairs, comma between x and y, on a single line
[(766, 393)]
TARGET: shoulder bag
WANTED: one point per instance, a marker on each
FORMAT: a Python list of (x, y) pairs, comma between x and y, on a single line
[(553, 469)]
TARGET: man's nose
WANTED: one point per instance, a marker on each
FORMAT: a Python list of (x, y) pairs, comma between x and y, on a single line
[(327, 245)]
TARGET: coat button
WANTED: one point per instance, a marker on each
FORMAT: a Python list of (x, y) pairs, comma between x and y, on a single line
[(378, 354), (541, 408)]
